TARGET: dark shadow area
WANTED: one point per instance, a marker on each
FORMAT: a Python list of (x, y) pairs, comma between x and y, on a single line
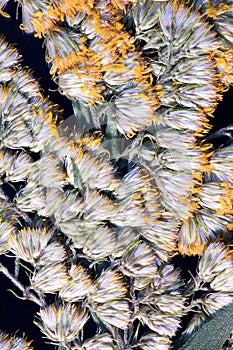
[(224, 112)]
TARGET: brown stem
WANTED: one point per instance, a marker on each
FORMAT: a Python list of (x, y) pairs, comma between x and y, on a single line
[(26, 294)]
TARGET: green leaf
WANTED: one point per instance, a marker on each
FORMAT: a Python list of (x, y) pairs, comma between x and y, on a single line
[(214, 333)]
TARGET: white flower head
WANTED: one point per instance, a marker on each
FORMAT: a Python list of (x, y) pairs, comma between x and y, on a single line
[(61, 323)]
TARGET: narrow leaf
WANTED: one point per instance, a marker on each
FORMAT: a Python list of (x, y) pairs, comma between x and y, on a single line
[(214, 333)]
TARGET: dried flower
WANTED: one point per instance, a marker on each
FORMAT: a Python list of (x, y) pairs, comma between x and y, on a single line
[(6, 161), (129, 117), (195, 323), (173, 139), (6, 229), (184, 119), (61, 323), (65, 50), (99, 243), (48, 172), (151, 340), (103, 341), (98, 208), (217, 197), (68, 206), (53, 252), (145, 15), (80, 85), (186, 160), (109, 286), (215, 260), (78, 286), (95, 170), (221, 165), (20, 169), (39, 17), (114, 229), (125, 238), (29, 243), (168, 280), (139, 260), (176, 188), (137, 214), (134, 181), (14, 343), (116, 312), (162, 236), (221, 15), (50, 278), (31, 198), (9, 56), (199, 230), (162, 324), (125, 70), (215, 301), (52, 195), (215, 267)]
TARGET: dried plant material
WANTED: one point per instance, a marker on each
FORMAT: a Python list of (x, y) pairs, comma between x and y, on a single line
[(14, 342), (61, 323), (78, 286), (50, 278), (95, 209)]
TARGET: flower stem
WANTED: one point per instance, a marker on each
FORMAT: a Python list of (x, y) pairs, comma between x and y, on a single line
[(26, 294)]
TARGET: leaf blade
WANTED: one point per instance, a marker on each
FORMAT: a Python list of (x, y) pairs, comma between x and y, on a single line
[(214, 333)]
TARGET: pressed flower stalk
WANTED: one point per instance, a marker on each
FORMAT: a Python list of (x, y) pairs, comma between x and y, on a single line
[(95, 60), (85, 237), (61, 323), (98, 240), (188, 98)]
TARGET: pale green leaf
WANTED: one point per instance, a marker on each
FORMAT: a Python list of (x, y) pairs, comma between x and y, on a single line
[(214, 333)]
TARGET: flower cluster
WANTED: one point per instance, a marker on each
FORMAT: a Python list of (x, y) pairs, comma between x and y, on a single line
[(91, 53), (184, 53), (97, 238), (73, 213)]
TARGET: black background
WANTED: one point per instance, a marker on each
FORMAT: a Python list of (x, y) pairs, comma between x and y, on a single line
[(17, 315)]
